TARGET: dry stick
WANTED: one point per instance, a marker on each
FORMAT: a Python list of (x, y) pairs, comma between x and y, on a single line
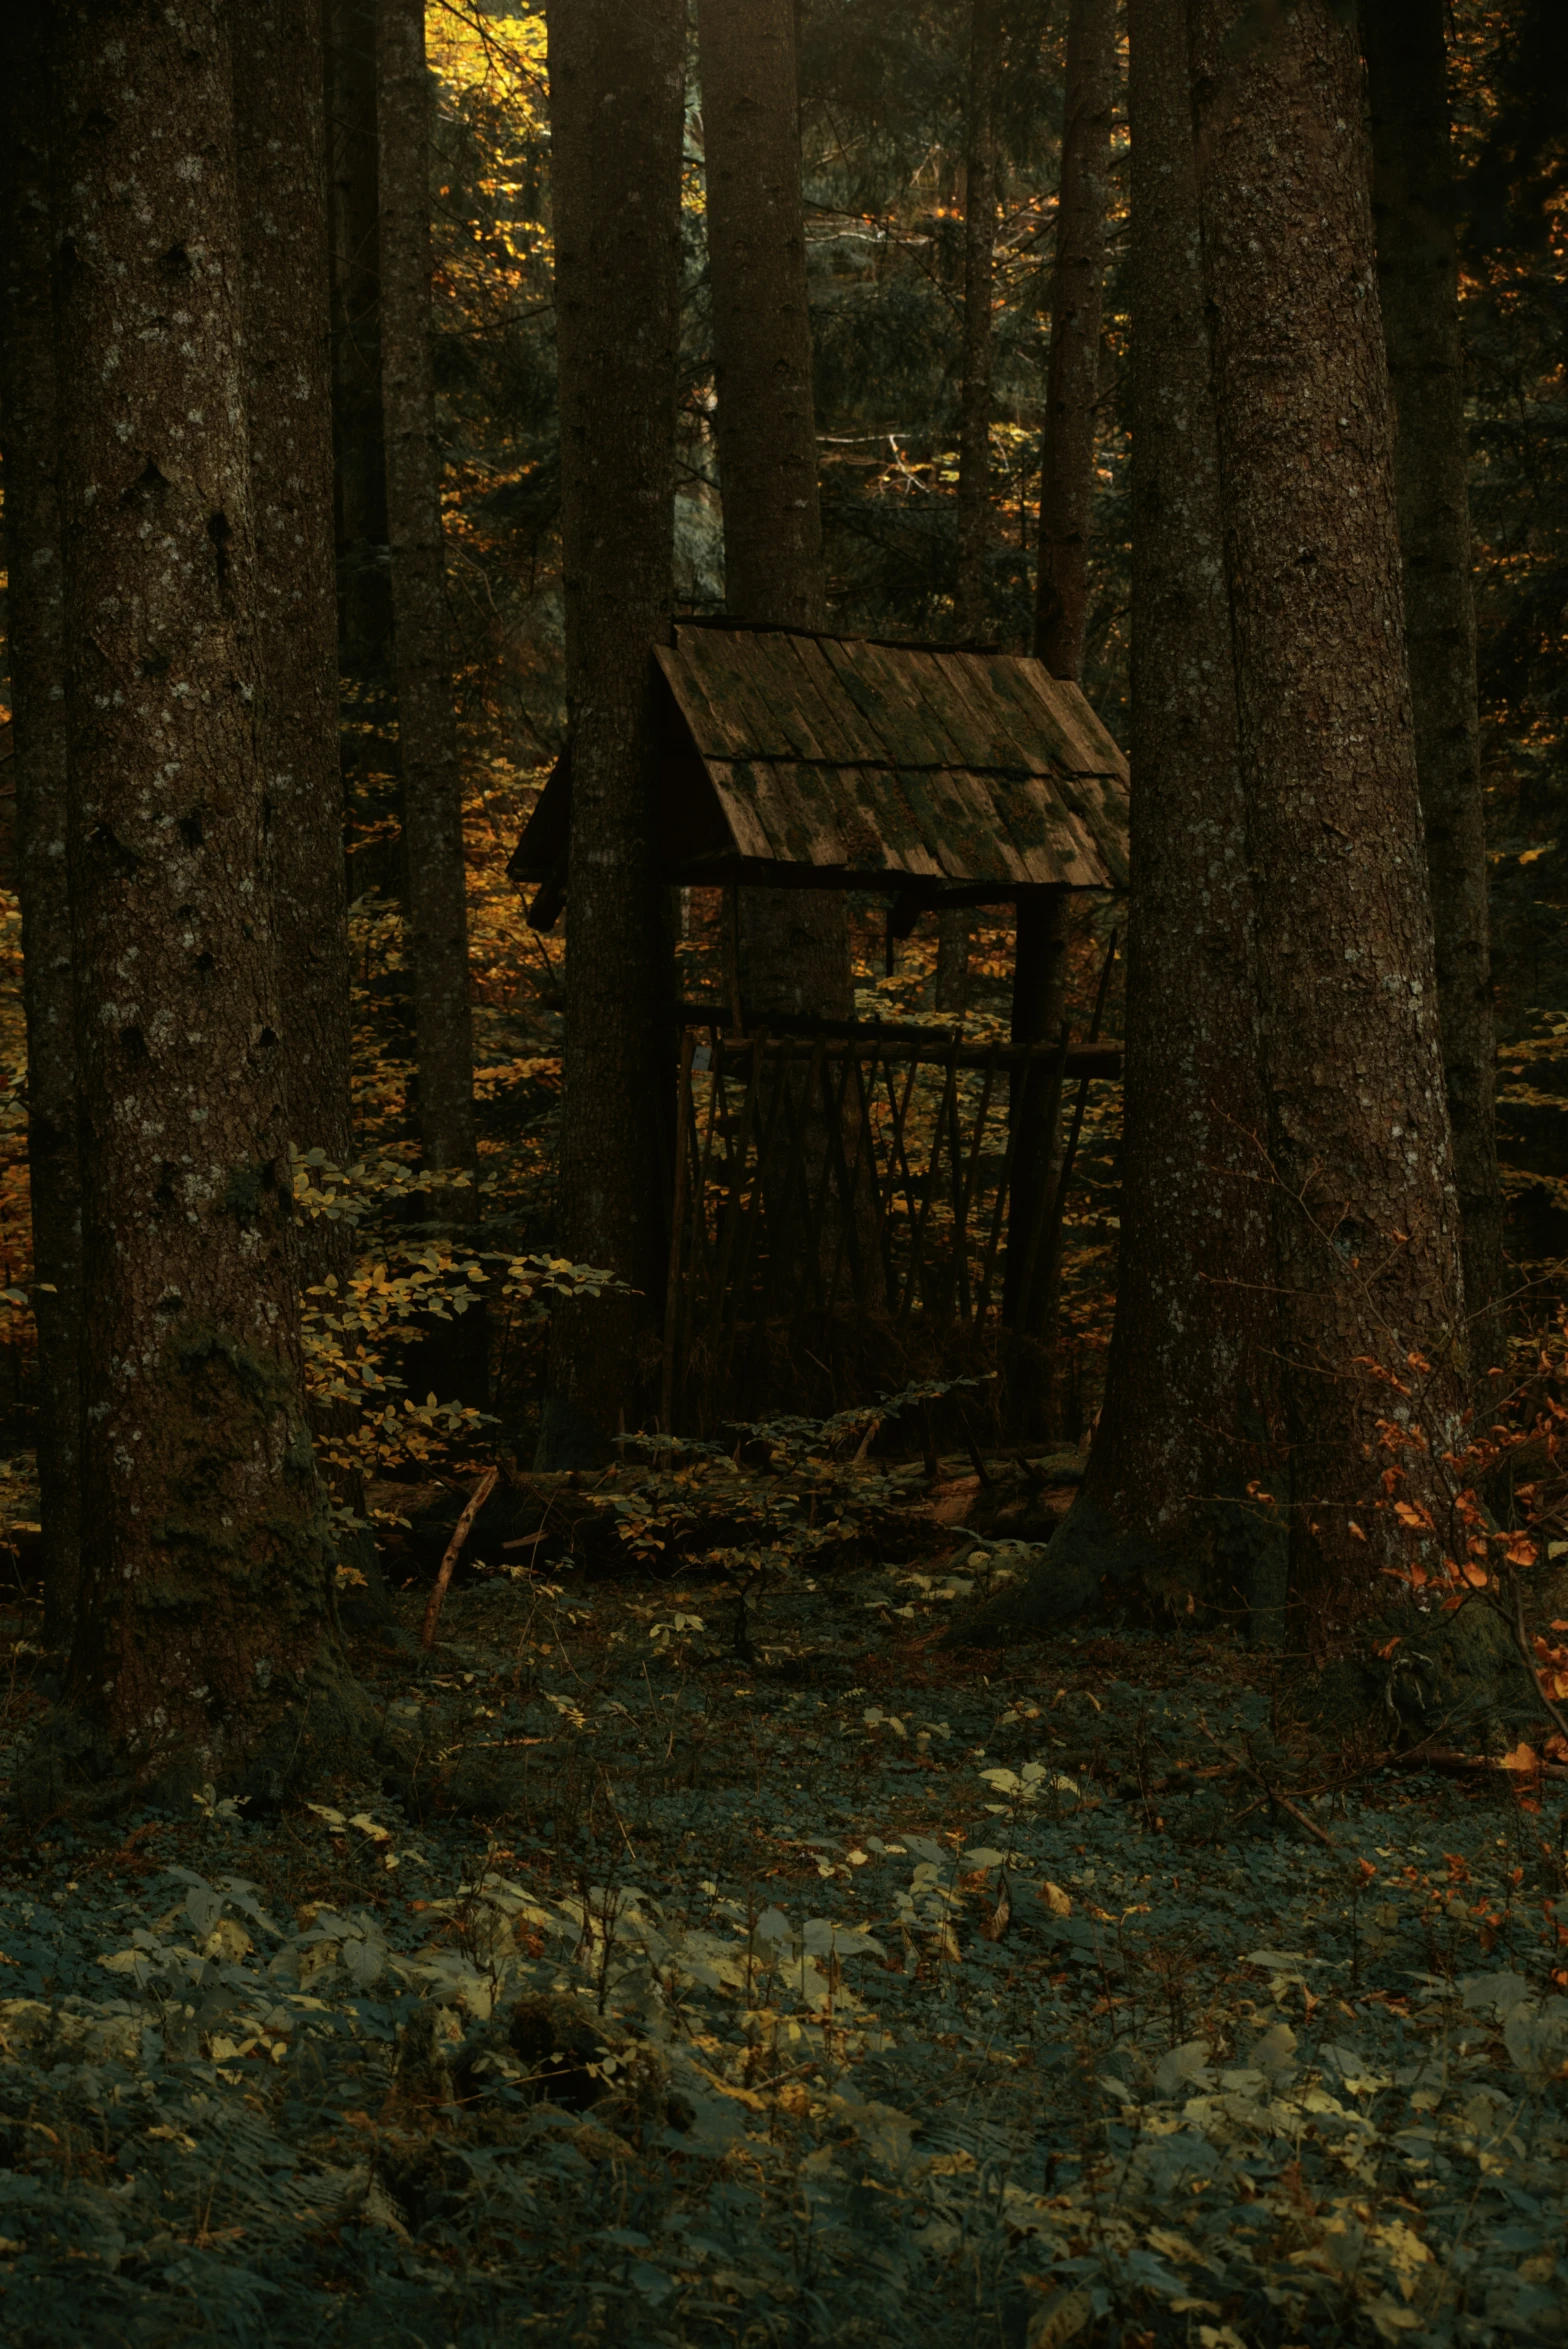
[(1252, 1771), (481, 1493)]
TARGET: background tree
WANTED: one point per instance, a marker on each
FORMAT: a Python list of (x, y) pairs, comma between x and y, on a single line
[(617, 100), (793, 943), (280, 153), (1072, 399), (1357, 1130), (36, 629), (435, 881), (206, 1626), (359, 451), (971, 601), (1184, 1421), (1414, 204)]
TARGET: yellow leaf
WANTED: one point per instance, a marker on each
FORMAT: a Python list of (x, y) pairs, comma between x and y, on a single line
[(1064, 2315), (1056, 1900)]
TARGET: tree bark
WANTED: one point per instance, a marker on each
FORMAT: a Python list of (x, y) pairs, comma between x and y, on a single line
[(37, 658), (617, 89), (206, 1623), (1366, 1215), (794, 943), (435, 874), (288, 409), (1072, 389), (1061, 609), (970, 601), (1413, 203), (359, 455), (1187, 1399)]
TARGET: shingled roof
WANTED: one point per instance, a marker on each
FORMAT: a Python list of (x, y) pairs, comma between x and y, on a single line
[(943, 775)]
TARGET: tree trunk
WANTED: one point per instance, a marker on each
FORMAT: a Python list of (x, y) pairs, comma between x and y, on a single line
[(1413, 203), (1186, 1397), (970, 602), (288, 410), (435, 873), (36, 617), (359, 454), (1061, 608), (206, 1622), (1366, 1215), (955, 927), (617, 89), (1072, 389), (794, 943)]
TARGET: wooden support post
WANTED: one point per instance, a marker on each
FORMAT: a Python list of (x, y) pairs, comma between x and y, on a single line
[(1039, 1001)]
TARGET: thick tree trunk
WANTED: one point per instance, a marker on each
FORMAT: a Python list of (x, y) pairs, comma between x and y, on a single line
[(794, 944), (1362, 1168), (1186, 1399), (288, 410), (37, 657), (1072, 389), (617, 109), (206, 1621), (1413, 203), (435, 874), (970, 601)]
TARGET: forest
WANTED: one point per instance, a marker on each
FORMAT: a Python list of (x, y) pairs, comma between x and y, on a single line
[(783, 987)]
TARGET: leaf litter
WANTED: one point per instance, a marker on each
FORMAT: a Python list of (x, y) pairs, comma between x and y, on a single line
[(841, 1991)]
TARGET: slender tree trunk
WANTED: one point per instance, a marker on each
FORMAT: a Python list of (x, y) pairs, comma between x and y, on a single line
[(1072, 389), (37, 656), (1413, 202), (436, 875), (1061, 609), (794, 942), (954, 937), (359, 455), (1367, 1219), (971, 614), (970, 603), (1186, 1398), (288, 410), (617, 90), (206, 1621)]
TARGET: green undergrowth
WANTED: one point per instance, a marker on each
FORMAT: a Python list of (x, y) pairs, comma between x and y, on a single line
[(839, 1992)]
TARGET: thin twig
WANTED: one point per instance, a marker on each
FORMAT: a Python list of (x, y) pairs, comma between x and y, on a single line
[(1283, 1800), (481, 1493)]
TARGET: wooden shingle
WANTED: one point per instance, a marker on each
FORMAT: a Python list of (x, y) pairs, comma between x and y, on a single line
[(832, 761)]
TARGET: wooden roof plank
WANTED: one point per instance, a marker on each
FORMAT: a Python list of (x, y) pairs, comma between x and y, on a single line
[(712, 660), (715, 730), (738, 802), (1055, 845), (1011, 746), (951, 710), (812, 713), (884, 809), (913, 736), (860, 738), (1053, 703)]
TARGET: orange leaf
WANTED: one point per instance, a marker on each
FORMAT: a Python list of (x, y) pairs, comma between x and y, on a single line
[(1521, 1551), (1413, 1514), (1524, 1759)]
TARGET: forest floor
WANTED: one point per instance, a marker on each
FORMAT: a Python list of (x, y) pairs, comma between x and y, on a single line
[(858, 1991)]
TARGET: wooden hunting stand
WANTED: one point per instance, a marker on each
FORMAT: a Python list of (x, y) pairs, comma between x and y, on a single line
[(944, 778)]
